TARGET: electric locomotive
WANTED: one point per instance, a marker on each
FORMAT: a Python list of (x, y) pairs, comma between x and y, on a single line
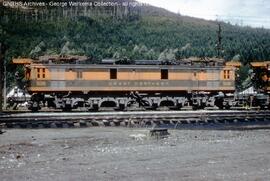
[(71, 82)]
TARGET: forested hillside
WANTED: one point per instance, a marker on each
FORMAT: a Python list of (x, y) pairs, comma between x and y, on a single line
[(141, 32)]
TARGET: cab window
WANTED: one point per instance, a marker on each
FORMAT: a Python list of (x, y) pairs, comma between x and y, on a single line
[(41, 73), (226, 74)]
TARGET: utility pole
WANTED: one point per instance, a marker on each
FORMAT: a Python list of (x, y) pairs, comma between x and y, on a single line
[(5, 84), (219, 46), (1, 73)]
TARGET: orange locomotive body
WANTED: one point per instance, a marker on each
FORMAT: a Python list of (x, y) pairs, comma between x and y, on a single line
[(261, 78), (69, 82)]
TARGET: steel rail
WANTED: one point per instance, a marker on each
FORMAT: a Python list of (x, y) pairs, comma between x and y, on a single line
[(148, 118)]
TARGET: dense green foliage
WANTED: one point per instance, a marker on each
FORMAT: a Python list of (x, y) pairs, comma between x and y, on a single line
[(135, 36)]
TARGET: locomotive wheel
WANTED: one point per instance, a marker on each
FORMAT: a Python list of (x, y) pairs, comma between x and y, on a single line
[(67, 109), (219, 103), (120, 109), (198, 107), (34, 107)]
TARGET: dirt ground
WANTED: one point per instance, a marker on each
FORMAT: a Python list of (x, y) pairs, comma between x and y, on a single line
[(113, 153)]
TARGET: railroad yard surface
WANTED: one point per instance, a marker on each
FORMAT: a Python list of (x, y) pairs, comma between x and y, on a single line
[(119, 153)]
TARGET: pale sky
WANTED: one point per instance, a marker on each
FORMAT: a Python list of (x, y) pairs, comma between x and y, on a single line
[(255, 13)]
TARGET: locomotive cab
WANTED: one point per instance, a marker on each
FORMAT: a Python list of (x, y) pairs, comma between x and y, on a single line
[(261, 77)]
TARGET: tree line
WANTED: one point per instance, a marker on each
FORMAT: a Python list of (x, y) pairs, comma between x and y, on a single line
[(133, 36)]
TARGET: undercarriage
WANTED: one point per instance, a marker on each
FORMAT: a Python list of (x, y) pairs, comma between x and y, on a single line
[(145, 101)]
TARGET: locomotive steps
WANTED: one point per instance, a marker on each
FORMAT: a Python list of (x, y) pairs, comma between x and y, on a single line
[(203, 119)]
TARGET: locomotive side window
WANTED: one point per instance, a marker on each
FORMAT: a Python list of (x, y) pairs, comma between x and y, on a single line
[(27, 73), (164, 74), (113, 73), (79, 75), (226, 74), (41, 73), (38, 72)]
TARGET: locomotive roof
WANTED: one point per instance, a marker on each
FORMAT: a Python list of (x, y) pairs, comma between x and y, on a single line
[(265, 64), (77, 61), (115, 66), (62, 59), (191, 60)]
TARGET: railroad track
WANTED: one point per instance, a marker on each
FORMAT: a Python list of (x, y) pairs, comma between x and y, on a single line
[(203, 119)]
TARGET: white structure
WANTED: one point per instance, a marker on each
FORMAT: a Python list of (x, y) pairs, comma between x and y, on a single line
[(19, 96), (249, 90)]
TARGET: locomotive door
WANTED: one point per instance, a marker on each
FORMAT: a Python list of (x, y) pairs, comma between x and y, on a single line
[(193, 81), (58, 78), (199, 79), (213, 79)]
